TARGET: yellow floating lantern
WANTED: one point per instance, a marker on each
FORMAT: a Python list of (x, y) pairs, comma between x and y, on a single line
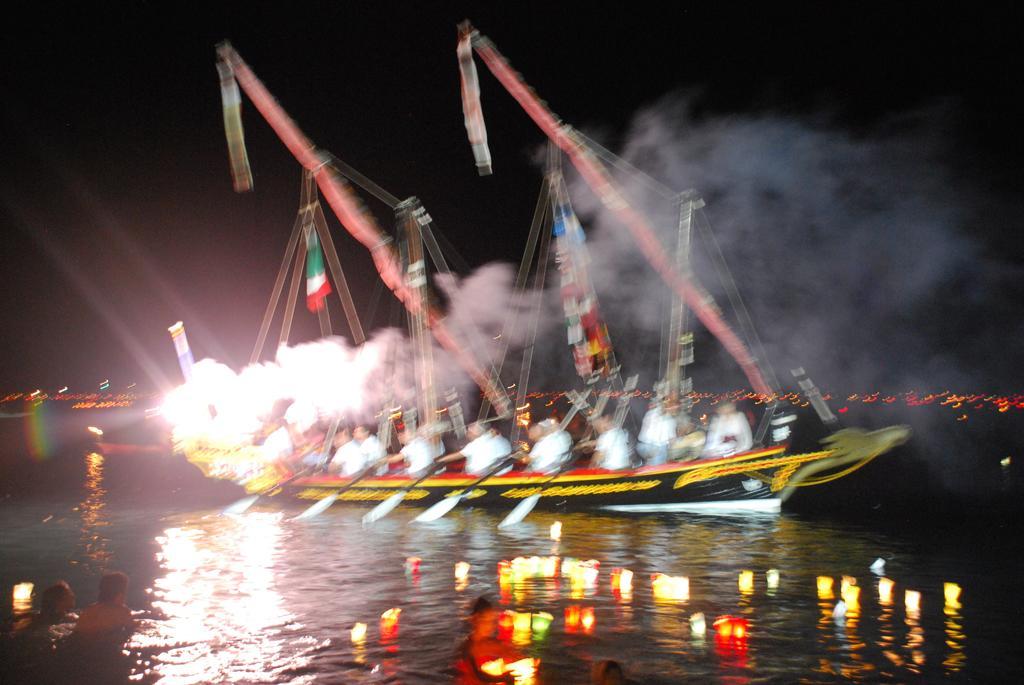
[(461, 570), (556, 530), (549, 567), (951, 592), (746, 582), (912, 601), (587, 619), (846, 583), (771, 577), (885, 587), (21, 597), (825, 587), (852, 597), (358, 632), (670, 587)]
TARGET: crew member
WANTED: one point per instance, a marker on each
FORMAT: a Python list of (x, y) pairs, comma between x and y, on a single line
[(418, 450), (729, 432), (552, 446), (689, 442), (657, 431), (612, 450), (486, 447), (348, 459)]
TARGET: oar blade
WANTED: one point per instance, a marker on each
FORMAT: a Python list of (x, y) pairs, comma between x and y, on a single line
[(384, 508), (438, 509), (521, 511), (241, 505), (318, 507)]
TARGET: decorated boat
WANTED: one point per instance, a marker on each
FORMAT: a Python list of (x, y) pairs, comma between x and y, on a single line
[(758, 478)]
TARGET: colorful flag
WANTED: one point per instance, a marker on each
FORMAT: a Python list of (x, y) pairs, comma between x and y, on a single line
[(317, 285), (241, 174), (471, 110), (585, 330)]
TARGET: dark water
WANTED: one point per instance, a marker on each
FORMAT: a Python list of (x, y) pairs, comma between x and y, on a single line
[(262, 598)]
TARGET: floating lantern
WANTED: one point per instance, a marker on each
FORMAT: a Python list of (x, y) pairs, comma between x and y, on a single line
[(852, 597), (461, 570), (746, 582), (951, 591), (878, 567), (825, 587), (771, 577), (494, 668), (572, 619), (670, 587), (846, 583), (358, 632), (590, 573), (556, 530), (839, 611), (587, 619), (626, 581), (732, 628), (549, 567), (506, 623), (504, 572), (568, 564), (95, 431), (912, 601), (522, 622), (412, 564), (540, 622), (885, 590), (21, 597), (622, 580), (698, 626), (389, 623)]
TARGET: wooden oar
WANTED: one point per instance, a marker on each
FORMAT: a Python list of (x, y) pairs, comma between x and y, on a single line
[(241, 505), (523, 509), (441, 508), (322, 505), (385, 507)]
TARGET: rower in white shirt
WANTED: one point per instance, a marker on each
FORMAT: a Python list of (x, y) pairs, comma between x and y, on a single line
[(348, 458), (657, 432), (418, 451), (485, 449), (551, 446), (612, 450)]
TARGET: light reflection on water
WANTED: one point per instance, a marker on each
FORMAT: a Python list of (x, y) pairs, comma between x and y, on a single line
[(262, 598)]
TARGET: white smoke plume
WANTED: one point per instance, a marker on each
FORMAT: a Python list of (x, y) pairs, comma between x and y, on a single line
[(330, 379)]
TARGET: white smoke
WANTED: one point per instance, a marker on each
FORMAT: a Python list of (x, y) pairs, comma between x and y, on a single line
[(331, 379)]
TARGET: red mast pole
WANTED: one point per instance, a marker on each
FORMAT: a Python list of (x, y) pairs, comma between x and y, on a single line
[(598, 178), (360, 224)]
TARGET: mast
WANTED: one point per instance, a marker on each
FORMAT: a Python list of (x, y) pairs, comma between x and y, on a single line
[(598, 178), (358, 222), (680, 339), (409, 214)]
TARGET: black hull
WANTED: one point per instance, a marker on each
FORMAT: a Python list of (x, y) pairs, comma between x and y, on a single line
[(752, 481)]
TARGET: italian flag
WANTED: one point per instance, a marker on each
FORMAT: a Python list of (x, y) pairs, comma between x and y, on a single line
[(317, 285)]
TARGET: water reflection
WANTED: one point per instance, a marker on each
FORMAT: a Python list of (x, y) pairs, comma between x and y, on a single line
[(223, 616), (261, 598), (94, 546)]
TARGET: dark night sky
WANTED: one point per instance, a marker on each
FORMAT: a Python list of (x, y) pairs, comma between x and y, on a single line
[(116, 206)]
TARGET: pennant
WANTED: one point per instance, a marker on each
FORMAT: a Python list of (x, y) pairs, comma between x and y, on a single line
[(241, 174), (471, 110), (317, 285)]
